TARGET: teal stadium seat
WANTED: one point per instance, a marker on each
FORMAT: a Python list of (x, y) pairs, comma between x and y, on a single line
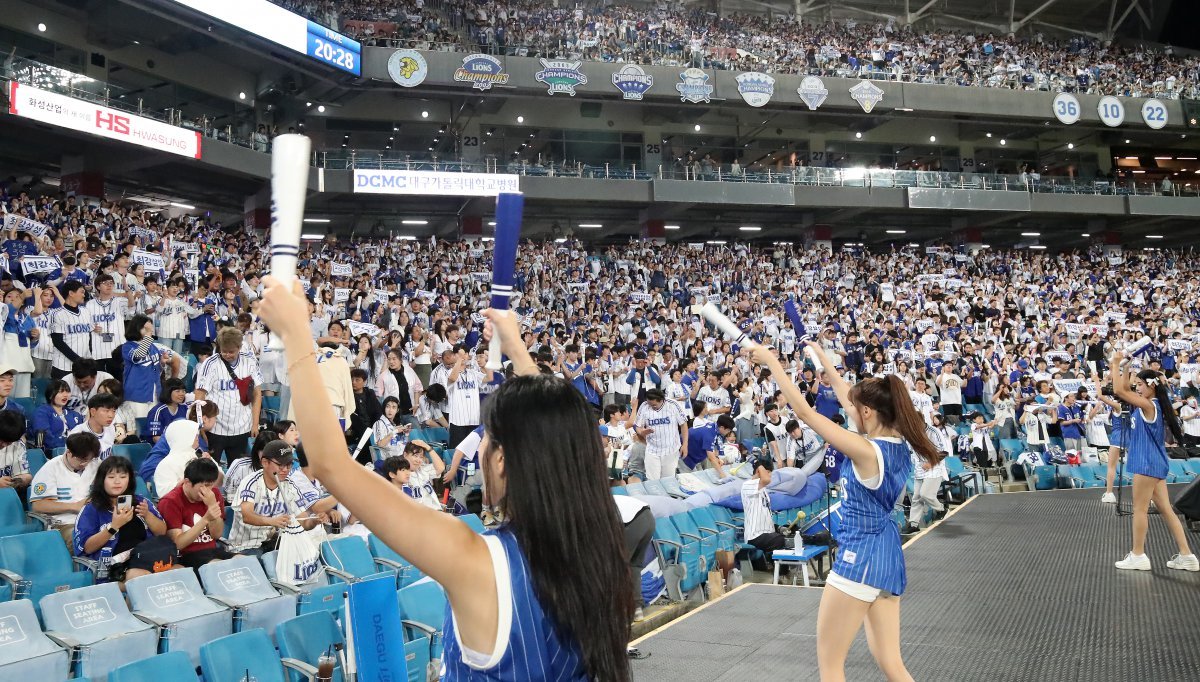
[(173, 665), (304, 638), (12, 515), (245, 655), (26, 653), (406, 573), (103, 634), (680, 559), (347, 559), (241, 584), (37, 564), (423, 611), (175, 603)]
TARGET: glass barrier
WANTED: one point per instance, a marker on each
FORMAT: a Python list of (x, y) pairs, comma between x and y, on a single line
[(65, 82), (805, 176)]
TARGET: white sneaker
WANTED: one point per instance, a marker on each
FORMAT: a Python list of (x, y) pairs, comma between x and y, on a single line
[(1134, 563), (638, 614), (1108, 498), (1182, 562)]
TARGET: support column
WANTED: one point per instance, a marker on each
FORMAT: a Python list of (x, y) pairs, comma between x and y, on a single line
[(470, 228), (256, 211), (652, 151), (966, 158), (816, 151), (80, 179), (472, 139)]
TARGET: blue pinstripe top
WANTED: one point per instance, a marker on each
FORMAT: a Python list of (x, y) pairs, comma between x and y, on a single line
[(533, 649), (868, 541), (1146, 446)]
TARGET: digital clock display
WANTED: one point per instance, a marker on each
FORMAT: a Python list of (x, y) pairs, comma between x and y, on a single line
[(276, 24)]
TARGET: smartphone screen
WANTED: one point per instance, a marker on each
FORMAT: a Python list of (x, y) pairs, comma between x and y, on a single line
[(125, 501)]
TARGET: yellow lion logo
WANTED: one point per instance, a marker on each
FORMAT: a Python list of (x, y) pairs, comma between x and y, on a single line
[(408, 66)]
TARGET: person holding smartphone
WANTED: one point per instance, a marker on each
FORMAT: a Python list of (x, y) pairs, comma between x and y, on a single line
[(119, 521)]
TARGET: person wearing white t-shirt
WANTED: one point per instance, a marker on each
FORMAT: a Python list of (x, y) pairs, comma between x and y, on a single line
[(101, 411), (950, 388), (921, 400), (1189, 416), (62, 486)]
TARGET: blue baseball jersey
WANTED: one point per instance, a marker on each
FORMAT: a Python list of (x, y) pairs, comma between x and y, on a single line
[(533, 648), (1145, 445), (869, 541), (701, 440)]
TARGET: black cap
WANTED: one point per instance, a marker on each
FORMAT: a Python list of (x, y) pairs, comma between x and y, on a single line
[(764, 461), (279, 452)]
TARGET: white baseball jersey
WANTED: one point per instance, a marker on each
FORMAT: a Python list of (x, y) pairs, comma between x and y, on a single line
[(44, 348), (463, 397), (212, 376), (56, 481), (110, 316), (76, 329), (79, 397), (665, 439), (108, 437), (285, 498), (171, 319), (716, 398), (756, 503)]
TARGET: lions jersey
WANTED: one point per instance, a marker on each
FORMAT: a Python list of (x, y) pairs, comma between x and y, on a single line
[(869, 541)]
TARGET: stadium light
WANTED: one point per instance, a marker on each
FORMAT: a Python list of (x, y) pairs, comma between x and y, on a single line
[(414, 222), (520, 119), (241, 95), (590, 226), (697, 127), (424, 114), (1003, 142), (183, 206), (715, 241), (311, 237), (42, 28), (1039, 247), (321, 108), (1070, 145), (1126, 141), (1086, 234), (492, 223), (1031, 234), (989, 135), (750, 228), (933, 138), (858, 136), (1154, 236), (316, 220), (670, 227), (896, 231)]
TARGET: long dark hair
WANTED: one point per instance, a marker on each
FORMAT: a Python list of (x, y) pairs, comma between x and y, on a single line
[(97, 496), (1164, 401), (889, 397), (574, 543)]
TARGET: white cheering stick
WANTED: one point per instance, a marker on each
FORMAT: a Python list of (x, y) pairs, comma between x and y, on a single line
[(289, 184), (713, 314)]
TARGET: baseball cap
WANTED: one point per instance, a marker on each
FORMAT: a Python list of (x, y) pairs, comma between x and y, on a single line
[(7, 368), (279, 452)]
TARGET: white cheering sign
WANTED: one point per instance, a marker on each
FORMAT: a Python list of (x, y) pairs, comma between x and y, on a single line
[(341, 295), (152, 262), (341, 270), (60, 110), (21, 224), (1066, 108), (357, 329), (34, 265), (1154, 113), (433, 183), (1112, 112)]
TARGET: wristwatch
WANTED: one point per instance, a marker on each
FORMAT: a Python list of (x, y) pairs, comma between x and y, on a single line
[(112, 531)]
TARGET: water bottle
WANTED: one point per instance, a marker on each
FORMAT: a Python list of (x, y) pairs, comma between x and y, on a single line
[(102, 565)]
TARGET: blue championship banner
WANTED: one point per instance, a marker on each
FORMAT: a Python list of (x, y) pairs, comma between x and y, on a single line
[(376, 637)]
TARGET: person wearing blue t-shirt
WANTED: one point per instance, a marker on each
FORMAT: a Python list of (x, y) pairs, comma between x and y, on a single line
[(1070, 419), (144, 360), (53, 421), (1146, 456), (169, 408), (868, 574)]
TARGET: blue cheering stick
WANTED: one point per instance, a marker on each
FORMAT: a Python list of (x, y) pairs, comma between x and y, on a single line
[(510, 207), (793, 313)]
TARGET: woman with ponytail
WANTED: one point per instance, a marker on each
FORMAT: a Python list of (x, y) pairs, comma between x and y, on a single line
[(1145, 447), (868, 573)]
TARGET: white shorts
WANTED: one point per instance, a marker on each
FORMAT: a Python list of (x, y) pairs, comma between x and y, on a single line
[(859, 591)]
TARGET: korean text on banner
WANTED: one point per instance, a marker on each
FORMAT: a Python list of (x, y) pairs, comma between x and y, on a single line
[(50, 107), (152, 262), (433, 183), (36, 265), (22, 224)]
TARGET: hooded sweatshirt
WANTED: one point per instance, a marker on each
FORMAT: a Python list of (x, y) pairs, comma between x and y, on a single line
[(181, 439)]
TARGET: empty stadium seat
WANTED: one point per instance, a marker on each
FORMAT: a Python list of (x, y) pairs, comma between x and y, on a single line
[(174, 602), (12, 515), (304, 638), (347, 559), (656, 488), (25, 652), (37, 564), (423, 611), (134, 452), (686, 525), (241, 584), (96, 625), (636, 488), (681, 561), (173, 665), (406, 573), (672, 487), (249, 654), (708, 524), (36, 458), (1180, 473), (317, 595)]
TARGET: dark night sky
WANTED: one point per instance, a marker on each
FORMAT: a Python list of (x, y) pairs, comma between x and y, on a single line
[(1183, 18)]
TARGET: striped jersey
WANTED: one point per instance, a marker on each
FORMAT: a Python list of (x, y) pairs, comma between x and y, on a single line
[(756, 503), (212, 376), (285, 498), (110, 317), (44, 348), (171, 318), (869, 541), (108, 437), (79, 398), (76, 329), (159, 418), (1145, 444), (463, 397), (530, 647), (665, 422)]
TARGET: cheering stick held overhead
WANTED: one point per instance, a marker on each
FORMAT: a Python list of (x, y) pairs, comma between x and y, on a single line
[(289, 184), (510, 207)]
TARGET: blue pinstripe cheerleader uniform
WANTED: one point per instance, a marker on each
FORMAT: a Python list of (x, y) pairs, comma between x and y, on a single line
[(529, 646), (1145, 447), (869, 541), (1120, 429)]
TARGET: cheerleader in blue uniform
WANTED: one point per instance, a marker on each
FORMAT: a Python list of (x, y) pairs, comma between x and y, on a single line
[(868, 573), (1151, 413)]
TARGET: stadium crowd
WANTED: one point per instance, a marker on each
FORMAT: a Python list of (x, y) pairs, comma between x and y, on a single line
[(679, 36), (129, 320)]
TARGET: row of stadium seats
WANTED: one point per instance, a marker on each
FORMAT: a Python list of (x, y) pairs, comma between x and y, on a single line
[(1092, 474), (90, 630)]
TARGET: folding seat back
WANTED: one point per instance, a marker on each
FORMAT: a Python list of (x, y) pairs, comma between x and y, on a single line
[(347, 559), (304, 638), (36, 457), (25, 652), (134, 452), (707, 523), (655, 488), (175, 666), (636, 488), (12, 515), (423, 611), (241, 584), (680, 558), (671, 487), (37, 564), (240, 656), (175, 603), (97, 625), (474, 522), (407, 574)]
